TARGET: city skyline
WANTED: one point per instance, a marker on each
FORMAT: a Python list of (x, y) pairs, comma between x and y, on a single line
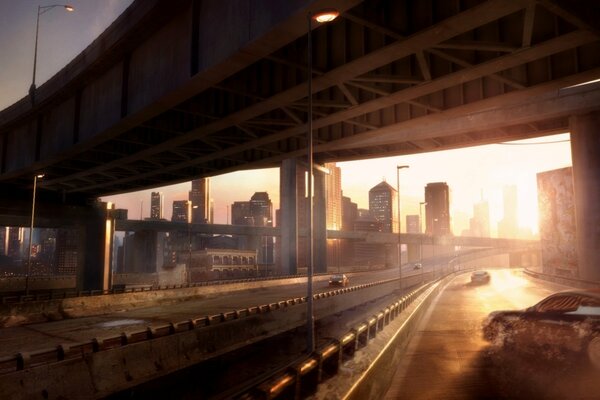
[(468, 186)]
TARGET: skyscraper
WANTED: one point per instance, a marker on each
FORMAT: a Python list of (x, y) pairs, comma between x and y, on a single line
[(261, 209), (479, 225), (437, 210), (508, 227), (156, 205), (412, 224), (333, 187), (256, 212), (240, 213), (199, 196), (383, 206), (14, 248), (67, 251), (181, 211)]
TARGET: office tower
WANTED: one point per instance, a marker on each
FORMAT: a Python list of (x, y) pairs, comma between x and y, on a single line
[(437, 210), (383, 206), (349, 213), (412, 224), (181, 211), (558, 231), (66, 253), (508, 227), (261, 209), (479, 225), (15, 242), (3, 240), (367, 254), (199, 196), (256, 212), (240, 213), (156, 205), (333, 188)]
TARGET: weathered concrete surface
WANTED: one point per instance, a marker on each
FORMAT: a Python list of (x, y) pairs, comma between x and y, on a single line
[(104, 372), (76, 307)]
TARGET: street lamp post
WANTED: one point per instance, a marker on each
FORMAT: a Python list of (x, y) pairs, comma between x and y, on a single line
[(42, 10), (398, 168), (421, 204), (322, 16), (189, 266), (35, 178)]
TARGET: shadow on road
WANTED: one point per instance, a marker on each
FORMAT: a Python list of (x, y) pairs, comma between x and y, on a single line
[(510, 374)]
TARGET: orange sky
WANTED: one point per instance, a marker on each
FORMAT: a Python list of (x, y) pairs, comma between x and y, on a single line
[(469, 172)]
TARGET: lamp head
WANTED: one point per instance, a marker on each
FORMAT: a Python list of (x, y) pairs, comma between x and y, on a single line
[(39, 176), (69, 7), (326, 15)]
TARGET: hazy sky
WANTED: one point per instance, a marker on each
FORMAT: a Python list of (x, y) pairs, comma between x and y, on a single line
[(468, 172)]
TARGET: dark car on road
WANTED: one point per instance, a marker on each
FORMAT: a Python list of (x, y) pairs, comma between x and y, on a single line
[(339, 280), (480, 277), (562, 324)]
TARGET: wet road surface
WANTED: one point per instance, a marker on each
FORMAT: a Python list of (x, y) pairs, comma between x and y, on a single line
[(448, 359)]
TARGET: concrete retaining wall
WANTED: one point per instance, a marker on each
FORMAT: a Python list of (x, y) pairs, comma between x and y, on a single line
[(104, 366)]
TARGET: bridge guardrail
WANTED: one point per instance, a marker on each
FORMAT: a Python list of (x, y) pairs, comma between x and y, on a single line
[(24, 360), (301, 379), (13, 299), (562, 279)]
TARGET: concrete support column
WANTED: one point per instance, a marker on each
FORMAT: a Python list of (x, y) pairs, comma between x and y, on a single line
[(585, 151), (289, 216), (320, 224), (99, 232)]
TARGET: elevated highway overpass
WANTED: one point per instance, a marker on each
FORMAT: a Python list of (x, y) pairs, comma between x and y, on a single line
[(134, 110), (169, 93)]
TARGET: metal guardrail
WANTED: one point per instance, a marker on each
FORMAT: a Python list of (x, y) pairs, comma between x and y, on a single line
[(562, 279), (13, 299), (303, 377), (24, 360)]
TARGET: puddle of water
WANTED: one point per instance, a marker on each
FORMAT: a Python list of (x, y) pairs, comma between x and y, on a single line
[(120, 322)]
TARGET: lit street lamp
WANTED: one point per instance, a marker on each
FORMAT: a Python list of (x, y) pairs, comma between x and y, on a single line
[(398, 168), (42, 10), (35, 178), (322, 16)]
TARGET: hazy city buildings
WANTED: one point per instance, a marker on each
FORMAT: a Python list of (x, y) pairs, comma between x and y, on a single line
[(181, 211), (383, 206), (199, 197), (333, 187), (156, 205), (479, 225), (437, 210), (508, 226), (256, 212), (412, 224)]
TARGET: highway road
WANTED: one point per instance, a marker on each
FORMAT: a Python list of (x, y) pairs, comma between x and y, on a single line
[(448, 359), (45, 335), (39, 336)]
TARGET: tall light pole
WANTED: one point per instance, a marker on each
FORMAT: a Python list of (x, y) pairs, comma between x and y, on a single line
[(398, 168), (322, 16), (421, 204), (35, 179), (42, 10), (189, 268)]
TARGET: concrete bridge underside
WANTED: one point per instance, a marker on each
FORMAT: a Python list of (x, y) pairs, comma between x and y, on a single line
[(169, 93)]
